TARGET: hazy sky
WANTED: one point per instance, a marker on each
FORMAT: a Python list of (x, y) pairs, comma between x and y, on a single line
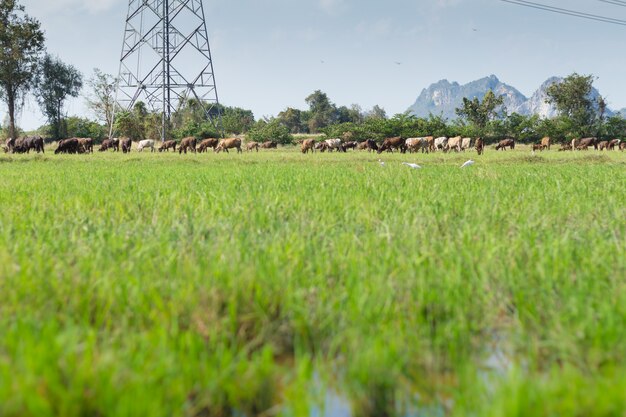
[(271, 54)]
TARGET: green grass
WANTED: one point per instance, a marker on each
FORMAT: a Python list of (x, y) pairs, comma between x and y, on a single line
[(255, 284)]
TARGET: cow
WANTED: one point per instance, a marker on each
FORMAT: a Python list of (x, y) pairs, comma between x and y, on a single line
[(106, 145), (308, 145), (506, 143), (371, 145), (146, 143), (565, 147), (226, 144), (33, 142), (538, 147), (575, 143), (454, 143), (416, 145), (351, 144), (270, 144), (206, 144), (252, 145), (167, 145), (431, 143), (126, 144), (480, 146), (333, 145), (67, 146), (603, 145), (187, 144), (613, 144), (545, 142), (441, 143), (390, 144), (622, 145), (466, 143), (585, 143), (85, 145)]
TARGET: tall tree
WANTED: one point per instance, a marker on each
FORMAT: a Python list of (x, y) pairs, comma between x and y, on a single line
[(55, 82), (101, 101), (573, 100), (21, 43), (322, 111), (480, 112)]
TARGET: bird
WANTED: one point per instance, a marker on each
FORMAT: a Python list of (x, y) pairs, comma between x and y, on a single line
[(468, 163), (410, 165), (475, 30), (380, 161), (398, 63)]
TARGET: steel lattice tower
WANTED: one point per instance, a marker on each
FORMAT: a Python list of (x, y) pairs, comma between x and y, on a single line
[(166, 59)]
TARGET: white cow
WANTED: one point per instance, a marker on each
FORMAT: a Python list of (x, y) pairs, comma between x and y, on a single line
[(441, 143), (466, 143), (334, 145), (417, 144), (147, 143)]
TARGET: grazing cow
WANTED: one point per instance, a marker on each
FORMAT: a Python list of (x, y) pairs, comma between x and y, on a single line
[(506, 143), (538, 147), (585, 143), (333, 145), (127, 144), (545, 142), (85, 145), (622, 145), (308, 145), (603, 145), (565, 147), (441, 143), (613, 144), (480, 146), (226, 144), (67, 146), (371, 145), (416, 145), (466, 143), (390, 144), (361, 146), (431, 143), (146, 143), (575, 143), (167, 145), (206, 144), (270, 144), (33, 142), (106, 145), (252, 145), (454, 143), (351, 144), (187, 143)]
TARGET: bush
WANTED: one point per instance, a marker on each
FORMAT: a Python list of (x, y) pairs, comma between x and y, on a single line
[(270, 130)]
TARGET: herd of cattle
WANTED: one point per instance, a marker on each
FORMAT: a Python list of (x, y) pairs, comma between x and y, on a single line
[(423, 144)]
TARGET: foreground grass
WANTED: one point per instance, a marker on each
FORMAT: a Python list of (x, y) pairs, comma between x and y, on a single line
[(217, 285)]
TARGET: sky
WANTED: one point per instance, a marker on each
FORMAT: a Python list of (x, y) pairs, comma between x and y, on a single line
[(271, 54)]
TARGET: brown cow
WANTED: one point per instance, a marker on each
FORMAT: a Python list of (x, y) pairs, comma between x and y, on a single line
[(585, 143), (106, 145), (67, 146), (115, 144), (603, 145), (506, 143), (545, 142), (206, 144), (622, 146), (390, 144), (85, 145), (33, 142), (480, 146), (371, 145), (308, 145), (270, 144), (252, 145), (613, 144), (167, 145), (454, 143), (351, 144), (226, 144), (187, 143), (127, 144), (538, 146), (431, 143), (565, 147)]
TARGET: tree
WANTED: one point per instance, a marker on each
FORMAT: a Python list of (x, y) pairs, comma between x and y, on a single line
[(272, 129), (21, 43), (322, 111), (102, 100), (479, 112), (55, 82), (377, 112), (573, 100)]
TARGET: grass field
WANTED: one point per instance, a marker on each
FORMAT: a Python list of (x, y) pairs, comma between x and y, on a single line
[(327, 285)]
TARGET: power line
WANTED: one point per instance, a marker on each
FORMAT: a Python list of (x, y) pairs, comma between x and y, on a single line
[(615, 2), (568, 12)]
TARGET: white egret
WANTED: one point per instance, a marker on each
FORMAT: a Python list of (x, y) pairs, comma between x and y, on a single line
[(468, 163), (410, 165)]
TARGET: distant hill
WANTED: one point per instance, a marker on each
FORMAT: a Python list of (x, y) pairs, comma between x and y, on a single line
[(444, 97)]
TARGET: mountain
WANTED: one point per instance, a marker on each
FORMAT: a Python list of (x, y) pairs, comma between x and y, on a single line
[(444, 97)]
